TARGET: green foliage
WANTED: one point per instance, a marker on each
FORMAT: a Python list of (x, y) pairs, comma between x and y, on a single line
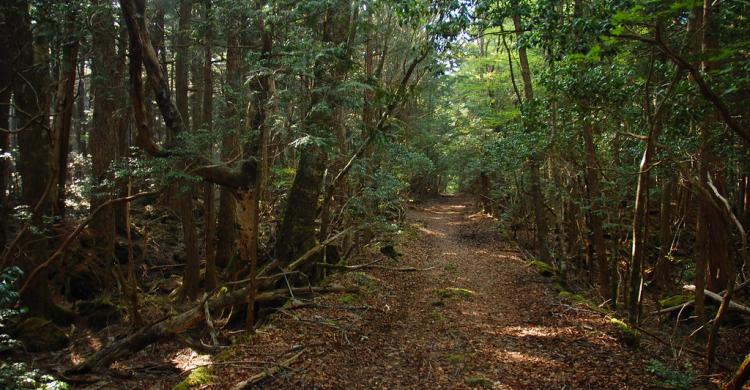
[(9, 313), (17, 375), (672, 378)]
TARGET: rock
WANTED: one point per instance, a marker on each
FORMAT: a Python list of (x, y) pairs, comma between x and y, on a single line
[(38, 335)]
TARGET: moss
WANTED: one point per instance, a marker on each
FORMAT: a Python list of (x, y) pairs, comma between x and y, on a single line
[(581, 300), (478, 382), (451, 267), (451, 292), (628, 335), (365, 280), (197, 377), (456, 358), (676, 300), (38, 334), (543, 268), (437, 316), (349, 299)]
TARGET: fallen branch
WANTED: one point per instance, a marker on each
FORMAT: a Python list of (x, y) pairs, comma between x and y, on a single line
[(673, 308), (64, 246), (248, 383), (718, 298), (268, 282), (691, 303), (179, 323)]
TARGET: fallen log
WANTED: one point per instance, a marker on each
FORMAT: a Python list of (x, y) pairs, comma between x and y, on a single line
[(180, 323), (691, 303), (718, 298)]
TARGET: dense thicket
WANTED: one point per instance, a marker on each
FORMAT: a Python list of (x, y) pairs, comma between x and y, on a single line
[(242, 143)]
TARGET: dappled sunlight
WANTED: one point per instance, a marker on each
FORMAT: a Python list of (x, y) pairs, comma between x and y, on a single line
[(525, 358), (187, 359), (430, 232), (536, 331)]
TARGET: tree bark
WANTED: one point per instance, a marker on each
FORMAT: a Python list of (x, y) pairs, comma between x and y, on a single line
[(103, 134), (64, 98), (227, 225), (35, 163), (595, 219), (537, 197), (207, 126)]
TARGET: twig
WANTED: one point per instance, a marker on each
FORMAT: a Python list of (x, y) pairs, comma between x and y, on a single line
[(64, 246), (246, 384)]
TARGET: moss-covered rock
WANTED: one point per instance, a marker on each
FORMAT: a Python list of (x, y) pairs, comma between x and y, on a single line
[(199, 376), (627, 335), (38, 335), (543, 268)]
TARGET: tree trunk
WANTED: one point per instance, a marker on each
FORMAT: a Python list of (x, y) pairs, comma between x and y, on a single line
[(81, 105), (297, 232), (663, 262), (207, 126), (6, 89), (537, 197), (740, 377), (595, 219), (191, 276), (227, 224), (64, 98), (35, 163), (182, 61), (103, 134)]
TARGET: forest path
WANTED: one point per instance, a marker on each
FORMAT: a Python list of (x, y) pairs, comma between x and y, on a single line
[(480, 317)]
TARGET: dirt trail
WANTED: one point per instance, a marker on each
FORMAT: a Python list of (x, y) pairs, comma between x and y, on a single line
[(480, 318)]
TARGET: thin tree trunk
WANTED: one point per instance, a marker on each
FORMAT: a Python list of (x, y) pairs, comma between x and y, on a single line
[(663, 263), (207, 126), (740, 377), (595, 219), (537, 197), (64, 99)]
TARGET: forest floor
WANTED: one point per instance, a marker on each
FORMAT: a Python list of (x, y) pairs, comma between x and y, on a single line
[(475, 316)]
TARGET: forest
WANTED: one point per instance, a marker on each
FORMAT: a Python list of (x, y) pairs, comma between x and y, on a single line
[(330, 194)]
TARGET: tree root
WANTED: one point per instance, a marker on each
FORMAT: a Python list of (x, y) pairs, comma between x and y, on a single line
[(180, 323)]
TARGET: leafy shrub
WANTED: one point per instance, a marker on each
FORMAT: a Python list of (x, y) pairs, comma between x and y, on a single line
[(672, 378), (17, 375)]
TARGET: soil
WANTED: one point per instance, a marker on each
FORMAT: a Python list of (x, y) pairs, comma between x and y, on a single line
[(475, 315)]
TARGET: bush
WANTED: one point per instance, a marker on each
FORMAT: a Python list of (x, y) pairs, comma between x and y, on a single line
[(672, 378), (17, 375)]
